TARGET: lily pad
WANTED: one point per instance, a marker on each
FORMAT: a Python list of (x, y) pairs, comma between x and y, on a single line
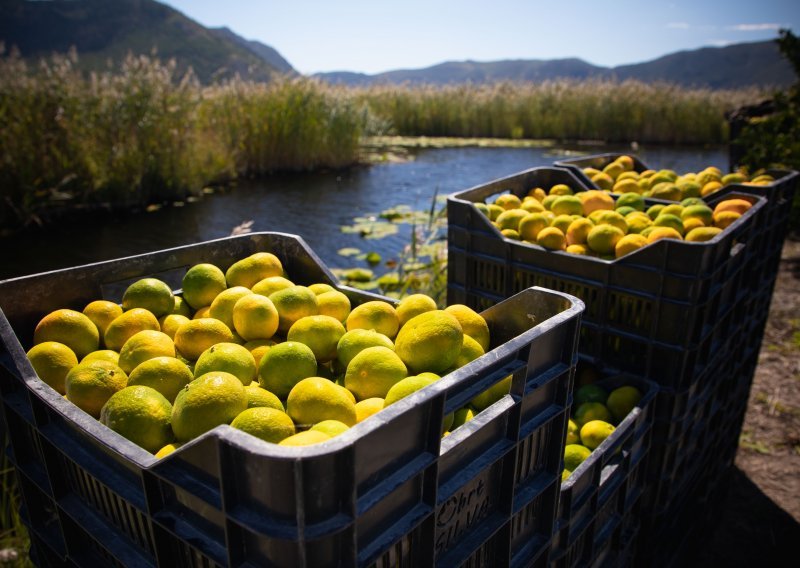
[(349, 251)]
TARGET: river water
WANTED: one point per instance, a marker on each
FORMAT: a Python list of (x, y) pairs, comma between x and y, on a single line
[(314, 206)]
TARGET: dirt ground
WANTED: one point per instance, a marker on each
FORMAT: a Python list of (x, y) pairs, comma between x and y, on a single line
[(759, 521)]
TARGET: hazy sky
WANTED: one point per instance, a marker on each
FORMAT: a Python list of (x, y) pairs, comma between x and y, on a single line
[(374, 36)]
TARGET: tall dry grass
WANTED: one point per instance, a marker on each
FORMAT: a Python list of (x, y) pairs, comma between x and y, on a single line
[(657, 113), (139, 134)]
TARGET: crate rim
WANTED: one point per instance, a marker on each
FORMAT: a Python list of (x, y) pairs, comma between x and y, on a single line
[(758, 202)]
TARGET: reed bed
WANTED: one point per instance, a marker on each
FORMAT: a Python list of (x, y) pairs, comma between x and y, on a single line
[(566, 110), (139, 133)]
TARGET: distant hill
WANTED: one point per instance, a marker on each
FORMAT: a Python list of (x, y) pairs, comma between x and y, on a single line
[(739, 65), (263, 51), (103, 30)]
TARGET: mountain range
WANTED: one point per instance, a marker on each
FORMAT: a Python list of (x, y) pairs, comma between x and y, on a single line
[(730, 67), (103, 31)]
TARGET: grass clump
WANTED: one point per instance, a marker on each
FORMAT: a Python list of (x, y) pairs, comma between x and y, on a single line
[(611, 111), (139, 134)]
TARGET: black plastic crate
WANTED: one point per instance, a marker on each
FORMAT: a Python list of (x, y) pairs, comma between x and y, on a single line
[(389, 491), (654, 312), (602, 493)]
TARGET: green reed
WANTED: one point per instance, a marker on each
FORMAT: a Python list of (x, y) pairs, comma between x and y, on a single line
[(561, 110)]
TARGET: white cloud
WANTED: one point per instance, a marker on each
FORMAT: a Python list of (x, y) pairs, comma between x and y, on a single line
[(678, 25), (719, 42), (755, 27)]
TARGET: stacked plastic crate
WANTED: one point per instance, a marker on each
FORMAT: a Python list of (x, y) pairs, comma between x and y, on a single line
[(673, 312), (388, 492)]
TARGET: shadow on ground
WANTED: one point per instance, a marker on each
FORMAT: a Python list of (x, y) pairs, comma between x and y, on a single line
[(753, 530)]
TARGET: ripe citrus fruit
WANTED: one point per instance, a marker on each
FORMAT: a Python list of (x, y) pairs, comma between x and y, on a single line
[(315, 399), (510, 219), (330, 427), (414, 305), (128, 324), (222, 306), (145, 345), (574, 455), (724, 219), (373, 371), (666, 190), (269, 424), (603, 238), (140, 414), (628, 244), (272, 284), (334, 303), (255, 317), (588, 411), (405, 387), (462, 416), (702, 212), (167, 375), (261, 397), (52, 361), (320, 288), (151, 294), (320, 333), (376, 314), (258, 347), (531, 225), (573, 433), (170, 323), (702, 234), (356, 340), (590, 393), (247, 271), (181, 308), (552, 238), (292, 304), (594, 432), (102, 355), (89, 385), (595, 200), (208, 401), (367, 407), (430, 341), (622, 400), (567, 205), (102, 313), (229, 357), (669, 220), (560, 189), (167, 450), (603, 180), (470, 350), (197, 335), (491, 395), (578, 231), (285, 365), (71, 328), (306, 438), (508, 201), (472, 323), (659, 233), (201, 284)]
